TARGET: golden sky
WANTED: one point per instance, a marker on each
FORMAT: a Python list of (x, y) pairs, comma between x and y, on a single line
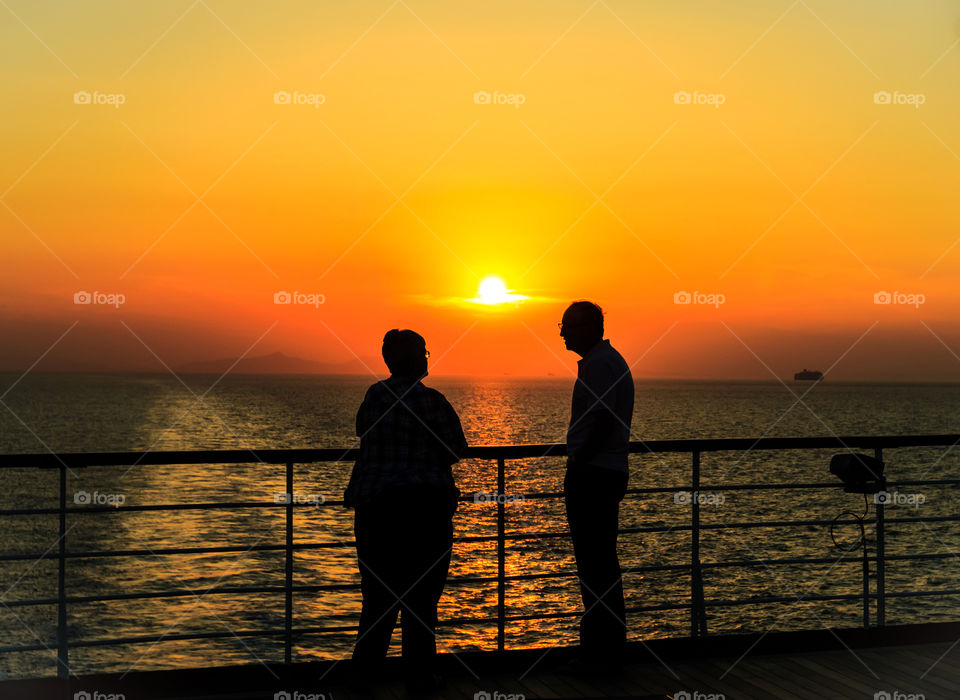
[(780, 163)]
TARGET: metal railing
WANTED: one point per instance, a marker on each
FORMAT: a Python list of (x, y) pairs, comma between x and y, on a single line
[(697, 605)]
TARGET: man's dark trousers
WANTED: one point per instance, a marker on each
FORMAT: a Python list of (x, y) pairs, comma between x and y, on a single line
[(593, 496)]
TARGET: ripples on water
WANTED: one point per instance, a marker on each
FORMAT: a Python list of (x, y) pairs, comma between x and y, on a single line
[(72, 413)]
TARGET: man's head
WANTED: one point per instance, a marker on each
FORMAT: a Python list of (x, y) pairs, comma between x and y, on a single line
[(582, 326), (405, 353)]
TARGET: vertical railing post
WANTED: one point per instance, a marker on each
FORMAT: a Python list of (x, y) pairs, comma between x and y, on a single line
[(881, 552), (698, 620), (63, 659), (501, 556), (288, 578), (866, 585)]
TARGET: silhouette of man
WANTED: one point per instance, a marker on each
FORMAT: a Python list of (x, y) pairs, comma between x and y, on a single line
[(596, 480), (404, 496)]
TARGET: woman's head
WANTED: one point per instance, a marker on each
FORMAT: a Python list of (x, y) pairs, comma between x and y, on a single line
[(405, 353)]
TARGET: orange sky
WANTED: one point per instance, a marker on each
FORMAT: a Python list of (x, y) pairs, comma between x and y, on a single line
[(792, 190)]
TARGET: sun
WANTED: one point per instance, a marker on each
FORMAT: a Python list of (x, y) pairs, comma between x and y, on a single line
[(493, 291)]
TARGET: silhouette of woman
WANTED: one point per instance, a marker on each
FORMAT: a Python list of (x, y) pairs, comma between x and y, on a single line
[(404, 496)]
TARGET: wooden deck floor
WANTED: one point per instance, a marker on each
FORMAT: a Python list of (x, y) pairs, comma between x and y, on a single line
[(904, 672), (911, 662)]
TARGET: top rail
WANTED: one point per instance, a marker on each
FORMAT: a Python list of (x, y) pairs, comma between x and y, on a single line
[(306, 456)]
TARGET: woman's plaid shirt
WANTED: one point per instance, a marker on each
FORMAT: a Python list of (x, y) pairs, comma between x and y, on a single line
[(409, 435)]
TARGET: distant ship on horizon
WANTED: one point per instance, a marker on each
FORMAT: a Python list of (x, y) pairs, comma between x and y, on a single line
[(808, 375)]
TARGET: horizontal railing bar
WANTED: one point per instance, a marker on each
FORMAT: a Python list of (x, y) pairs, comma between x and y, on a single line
[(854, 557), (944, 555), (27, 603), (225, 505), (464, 580), (150, 639), (845, 596), (143, 639), (924, 482), (765, 523), (558, 616), (153, 638), (28, 647), (488, 538), (239, 505), (811, 485), (152, 552), (917, 594), (929, 519), (783, 599), (307, 456), (542, 495)]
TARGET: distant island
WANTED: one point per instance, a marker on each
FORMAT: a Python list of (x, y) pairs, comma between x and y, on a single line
[(808, 375), (274, 363)]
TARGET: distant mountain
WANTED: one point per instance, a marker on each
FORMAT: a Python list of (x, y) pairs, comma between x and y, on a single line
[(275, 363)]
